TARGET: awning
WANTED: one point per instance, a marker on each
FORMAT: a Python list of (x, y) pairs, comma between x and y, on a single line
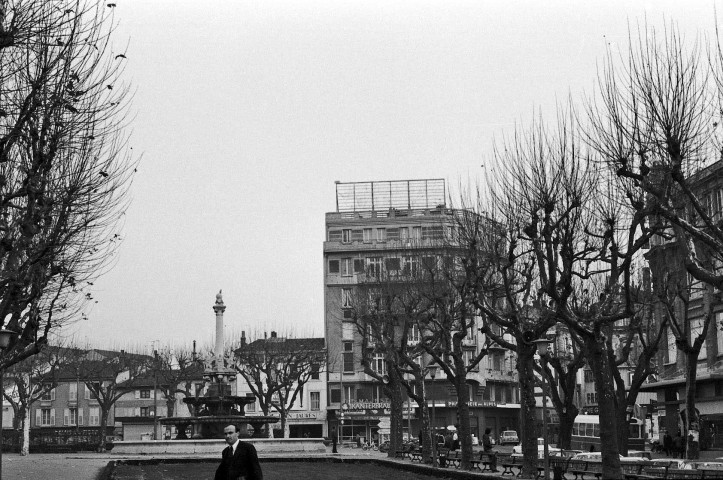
[(702, 377)]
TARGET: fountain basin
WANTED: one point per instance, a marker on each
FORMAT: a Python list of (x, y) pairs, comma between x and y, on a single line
[(211, 427), (215, 446)]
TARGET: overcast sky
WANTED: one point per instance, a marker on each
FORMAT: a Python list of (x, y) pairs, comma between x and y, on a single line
[(248, 111)]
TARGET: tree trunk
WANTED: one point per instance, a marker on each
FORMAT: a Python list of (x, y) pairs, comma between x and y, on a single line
[(23, 414), (170, 406), (567, 420), (103, 424), (528, 432), (621, 417), (691, 427), (463, 434), (426, 440), (394, 389), (599, 364), (286, 431)]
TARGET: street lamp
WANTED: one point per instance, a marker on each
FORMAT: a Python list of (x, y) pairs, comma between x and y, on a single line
[(432, 375), (5, 336), (542, 346)]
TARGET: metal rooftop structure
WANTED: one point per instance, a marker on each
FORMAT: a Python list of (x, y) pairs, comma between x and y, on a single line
[(392, 194)]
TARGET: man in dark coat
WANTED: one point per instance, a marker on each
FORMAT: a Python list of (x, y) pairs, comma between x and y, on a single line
[(239, 460), (667, 444)]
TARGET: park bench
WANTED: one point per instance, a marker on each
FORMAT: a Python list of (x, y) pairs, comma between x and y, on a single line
[(711, 473), (487, 460), (454, 458), (580, 468), (416, 454), (508, 462), (442, 455), (634, 471), (404, 452)]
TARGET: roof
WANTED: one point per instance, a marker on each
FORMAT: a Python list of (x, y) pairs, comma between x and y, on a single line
[(292, 344)]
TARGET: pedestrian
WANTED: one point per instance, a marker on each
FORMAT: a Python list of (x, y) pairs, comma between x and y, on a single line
[(455, 440), (487, 448), (333, 440), (678, 446), (358, 440), (667, 444), (239, 459)]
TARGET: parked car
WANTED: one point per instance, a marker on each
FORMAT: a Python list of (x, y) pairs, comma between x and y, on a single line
[(551, 448), (597, 456), (698, 464), (509, 437)]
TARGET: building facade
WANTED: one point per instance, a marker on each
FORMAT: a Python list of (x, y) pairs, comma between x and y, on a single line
[(383, 227), (668, 386)]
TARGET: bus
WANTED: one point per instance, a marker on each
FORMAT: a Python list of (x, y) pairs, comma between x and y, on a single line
[(586, 432)]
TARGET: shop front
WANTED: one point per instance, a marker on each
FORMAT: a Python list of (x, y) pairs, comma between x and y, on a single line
[(307, 424)]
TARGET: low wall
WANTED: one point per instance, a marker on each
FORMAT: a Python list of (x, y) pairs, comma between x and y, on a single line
[(215, 446)]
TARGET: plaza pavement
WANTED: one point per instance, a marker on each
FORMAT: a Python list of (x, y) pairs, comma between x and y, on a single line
[(88, 466)]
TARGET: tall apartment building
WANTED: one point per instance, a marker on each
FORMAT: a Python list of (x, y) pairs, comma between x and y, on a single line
[(388, 226), (665, 258)]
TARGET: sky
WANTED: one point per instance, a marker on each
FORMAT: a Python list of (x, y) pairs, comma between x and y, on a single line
[(247, 112)]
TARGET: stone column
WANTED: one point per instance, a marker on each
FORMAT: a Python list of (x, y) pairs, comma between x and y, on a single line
[(219, 308)]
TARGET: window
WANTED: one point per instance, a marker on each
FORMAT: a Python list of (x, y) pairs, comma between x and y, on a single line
[(334, 235), (94, 416), (588, 376), (416, 234), (367, 235), (145, 411), (145, 393), (348, 393), (672, 347), (251, 407), (73, 392), (335, 394), (48, 395), (357, 236), (346, 236), (696, 328), (591, 398), (348, 357), (346, 266), (315, 371), (346, 298), (315, 400), (71, 417), (469, 356), (497, 360), (333, 266), (392, 264), (47, 417), (381, 234), (377, 393), (718, 331), (404, 234), (358, 265), (374, 266), (347, 331), (411, 265), (413, 334), (379, 364)]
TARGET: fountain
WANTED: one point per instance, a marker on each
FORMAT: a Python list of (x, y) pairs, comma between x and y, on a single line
[(218, 407), (215, 410)]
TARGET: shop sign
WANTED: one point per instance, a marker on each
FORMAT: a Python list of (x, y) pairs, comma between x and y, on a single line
[(302, 416), (364, 405), (370, 411), (483, 403)]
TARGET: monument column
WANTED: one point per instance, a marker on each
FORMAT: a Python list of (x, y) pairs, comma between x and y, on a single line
[(219, 308)]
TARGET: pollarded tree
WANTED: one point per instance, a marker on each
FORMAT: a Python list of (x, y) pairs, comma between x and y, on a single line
[(108, 375), (63, 172), (580, 240), (28, 381), (176, 372), (656, 123), (276, 370)]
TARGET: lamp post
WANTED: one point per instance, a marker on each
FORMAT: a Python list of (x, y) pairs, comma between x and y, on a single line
[(542, 345), (432, 375), (5, 336)]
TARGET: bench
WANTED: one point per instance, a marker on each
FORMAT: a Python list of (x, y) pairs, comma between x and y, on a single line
[(634, 471), (416, 455), (454, 458), (405, 452), (711, 473), (580, 468), (509, 462), (442, 455), (488, 460)]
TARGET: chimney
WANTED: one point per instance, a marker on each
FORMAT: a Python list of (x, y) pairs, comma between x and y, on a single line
[(273, 334), (265, 336), (243, 338)]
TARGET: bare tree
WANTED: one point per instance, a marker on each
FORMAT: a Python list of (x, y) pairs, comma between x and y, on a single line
[(64, 173), (108, 375), (276, 370), (30, 380), (177, 372), (657, 125)]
